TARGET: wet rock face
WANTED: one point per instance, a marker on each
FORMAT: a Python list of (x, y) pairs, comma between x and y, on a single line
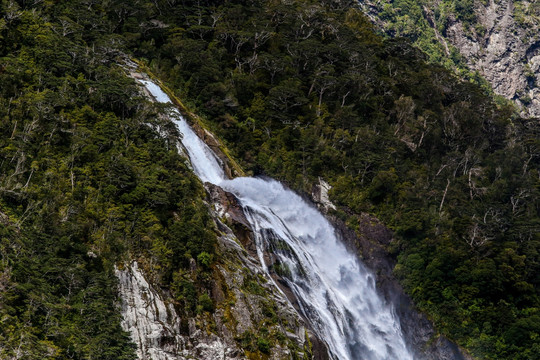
[(233, 221), (372, 248), (226, 205), (213, 144), (230, 211)]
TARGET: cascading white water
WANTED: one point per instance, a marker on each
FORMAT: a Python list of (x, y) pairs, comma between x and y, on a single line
[(335, 292), (206, 164)]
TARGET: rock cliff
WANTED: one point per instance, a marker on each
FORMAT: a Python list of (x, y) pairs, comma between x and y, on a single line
[(503, 50), (498, 38)]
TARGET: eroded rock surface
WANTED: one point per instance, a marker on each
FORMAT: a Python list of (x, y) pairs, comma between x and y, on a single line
[(502, 44), (153, 325), (506, 54)]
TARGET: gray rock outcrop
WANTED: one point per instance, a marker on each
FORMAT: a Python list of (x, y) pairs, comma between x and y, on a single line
[(502, 43), (505, 54)]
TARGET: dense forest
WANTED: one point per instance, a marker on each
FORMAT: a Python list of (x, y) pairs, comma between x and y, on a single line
[(84, 184), (297, 90)]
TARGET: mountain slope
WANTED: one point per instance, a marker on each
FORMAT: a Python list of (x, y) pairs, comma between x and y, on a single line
[(84, 183), (296, 90), (305, 89), (497, 39), (92, 184)]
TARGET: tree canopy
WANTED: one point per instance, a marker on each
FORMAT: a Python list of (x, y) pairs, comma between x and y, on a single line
[(297, 90)]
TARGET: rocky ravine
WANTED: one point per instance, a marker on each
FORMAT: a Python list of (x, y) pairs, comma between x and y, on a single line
[(503, 45)]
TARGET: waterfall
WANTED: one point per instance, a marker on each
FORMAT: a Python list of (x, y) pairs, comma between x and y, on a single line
[(335, 292), (206, 164)]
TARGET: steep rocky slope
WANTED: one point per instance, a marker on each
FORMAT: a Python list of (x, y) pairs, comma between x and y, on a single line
[(499, 39)]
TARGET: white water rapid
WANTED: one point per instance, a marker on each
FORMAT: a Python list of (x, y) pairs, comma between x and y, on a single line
[(335, 292)]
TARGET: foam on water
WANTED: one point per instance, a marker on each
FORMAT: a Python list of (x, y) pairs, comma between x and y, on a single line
[(336, 292)]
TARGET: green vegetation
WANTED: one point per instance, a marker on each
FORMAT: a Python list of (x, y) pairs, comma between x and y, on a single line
[(86, 182), (527, 16), (296, 90), (303, 89), (425, 23)]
